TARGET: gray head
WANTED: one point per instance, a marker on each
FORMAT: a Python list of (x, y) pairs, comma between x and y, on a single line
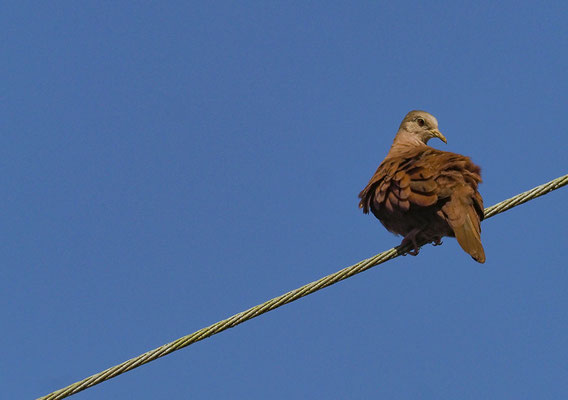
[(421, 126)]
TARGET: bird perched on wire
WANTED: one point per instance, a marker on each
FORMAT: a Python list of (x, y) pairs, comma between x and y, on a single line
[(425, 194)]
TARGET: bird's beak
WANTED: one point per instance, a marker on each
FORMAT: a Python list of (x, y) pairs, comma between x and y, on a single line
[(438, 134)]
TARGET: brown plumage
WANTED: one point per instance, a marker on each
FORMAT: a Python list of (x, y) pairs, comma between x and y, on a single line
[(425, 194)]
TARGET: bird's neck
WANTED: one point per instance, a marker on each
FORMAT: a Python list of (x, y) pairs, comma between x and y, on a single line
[(405, 141)]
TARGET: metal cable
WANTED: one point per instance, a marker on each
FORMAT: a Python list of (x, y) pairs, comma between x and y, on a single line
[(283, 299)]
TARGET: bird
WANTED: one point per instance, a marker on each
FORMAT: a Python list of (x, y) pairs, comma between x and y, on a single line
[(425, 194)]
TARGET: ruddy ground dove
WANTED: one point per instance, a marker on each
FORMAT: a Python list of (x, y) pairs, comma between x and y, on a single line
[(425, 194)]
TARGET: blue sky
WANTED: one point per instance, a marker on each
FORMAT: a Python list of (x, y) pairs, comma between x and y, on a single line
[(168, 164)]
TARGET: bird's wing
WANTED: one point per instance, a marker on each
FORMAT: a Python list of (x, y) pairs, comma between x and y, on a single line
[(401, 183), (457, 179)]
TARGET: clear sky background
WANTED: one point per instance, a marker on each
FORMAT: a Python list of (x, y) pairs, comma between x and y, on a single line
[(165, 165)]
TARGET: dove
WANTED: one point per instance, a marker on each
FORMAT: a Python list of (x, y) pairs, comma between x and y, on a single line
[(425, 194)]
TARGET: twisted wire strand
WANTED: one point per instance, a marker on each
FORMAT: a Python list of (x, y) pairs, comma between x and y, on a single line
[(283, 299)]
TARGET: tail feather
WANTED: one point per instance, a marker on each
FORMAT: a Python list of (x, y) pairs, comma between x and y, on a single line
[(469, 236)]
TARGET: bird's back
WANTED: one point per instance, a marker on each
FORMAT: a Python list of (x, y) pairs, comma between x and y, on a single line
[(420, 187)]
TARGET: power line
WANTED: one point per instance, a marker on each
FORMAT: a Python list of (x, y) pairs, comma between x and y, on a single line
[(283, 299)]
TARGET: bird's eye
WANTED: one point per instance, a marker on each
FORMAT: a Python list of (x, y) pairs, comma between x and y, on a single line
[(420, 122)]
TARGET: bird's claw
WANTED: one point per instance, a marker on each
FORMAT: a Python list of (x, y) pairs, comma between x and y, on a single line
[(414, 252), (411, 238)]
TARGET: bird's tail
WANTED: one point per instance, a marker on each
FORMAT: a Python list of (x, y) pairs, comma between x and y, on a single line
[(469, 236)]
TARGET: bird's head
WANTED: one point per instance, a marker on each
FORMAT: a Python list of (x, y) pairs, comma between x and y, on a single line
[(421, 126)]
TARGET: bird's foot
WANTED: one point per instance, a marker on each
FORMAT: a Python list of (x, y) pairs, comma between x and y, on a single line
[(411, 239), (437, 242), (414, 252)]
